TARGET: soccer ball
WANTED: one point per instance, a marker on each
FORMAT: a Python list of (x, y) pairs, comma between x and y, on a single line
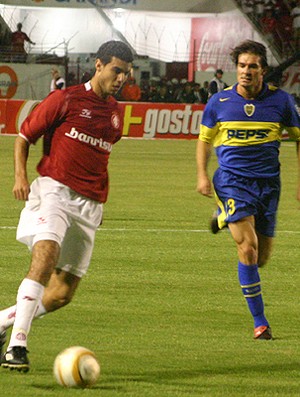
[(76, 366)]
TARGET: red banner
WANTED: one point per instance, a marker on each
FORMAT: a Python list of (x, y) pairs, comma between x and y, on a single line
[(141, 120)]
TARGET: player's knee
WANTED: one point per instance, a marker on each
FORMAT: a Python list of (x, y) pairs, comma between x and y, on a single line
[(249, 253)]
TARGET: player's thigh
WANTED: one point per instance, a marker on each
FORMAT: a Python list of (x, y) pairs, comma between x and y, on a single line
[(243, 231), (78, 244), (236, 196), (77, 249), (44, 216)]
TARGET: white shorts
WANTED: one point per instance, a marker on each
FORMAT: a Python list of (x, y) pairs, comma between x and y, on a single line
[(55, 212)]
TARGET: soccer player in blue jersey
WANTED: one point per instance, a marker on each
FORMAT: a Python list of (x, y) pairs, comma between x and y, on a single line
[(244, 123)]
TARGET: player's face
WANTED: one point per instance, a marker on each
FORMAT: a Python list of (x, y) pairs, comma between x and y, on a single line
[(111, 77), (250, 72)]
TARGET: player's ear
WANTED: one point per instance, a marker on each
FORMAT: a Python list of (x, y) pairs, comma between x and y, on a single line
[(265, 69), (98, 65)]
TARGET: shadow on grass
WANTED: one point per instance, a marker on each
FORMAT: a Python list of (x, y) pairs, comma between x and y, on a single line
[(121, 383)]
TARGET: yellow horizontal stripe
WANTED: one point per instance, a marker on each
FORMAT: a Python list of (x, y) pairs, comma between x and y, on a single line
[(274, 133), (218, 135), (250, 285), (253, 295)]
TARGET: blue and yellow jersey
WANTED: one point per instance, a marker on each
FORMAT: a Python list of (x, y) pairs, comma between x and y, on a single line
[(247, 133)]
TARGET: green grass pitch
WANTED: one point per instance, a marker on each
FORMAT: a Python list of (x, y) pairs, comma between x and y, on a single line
[(161, 305)]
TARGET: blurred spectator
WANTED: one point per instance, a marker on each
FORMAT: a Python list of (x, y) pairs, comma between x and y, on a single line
[(153, 87), (278, 9), (178, 91), (204, 92), (197, 92), (187, 94), (285, 31), (1, 35), (174, 88), (144, 86), (268, 24), (162, 95), (4, 44), (270, 5), (131, 91), (247, 6), (71, 79), (259, 9), (295, 13), (57, 82), (18, 39), (216, 84)]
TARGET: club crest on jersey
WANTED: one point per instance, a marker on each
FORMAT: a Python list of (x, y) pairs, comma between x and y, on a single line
[(115, 120), (249, 109)]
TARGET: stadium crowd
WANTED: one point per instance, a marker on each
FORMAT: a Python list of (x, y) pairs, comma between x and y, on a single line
[(278, 21), (160, 89)]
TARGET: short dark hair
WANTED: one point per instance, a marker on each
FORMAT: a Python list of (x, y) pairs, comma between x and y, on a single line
[(116, 49), (252, 47)]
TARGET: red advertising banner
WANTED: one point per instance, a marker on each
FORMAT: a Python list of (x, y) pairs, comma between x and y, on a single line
[(161, 120), (141, 119), (212, 39)]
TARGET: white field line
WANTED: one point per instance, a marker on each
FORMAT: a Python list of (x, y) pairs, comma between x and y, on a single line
[(104, 229)]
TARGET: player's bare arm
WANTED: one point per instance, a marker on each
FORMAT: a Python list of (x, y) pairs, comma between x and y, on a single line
[(298, 162), (203, 153), (21, 187)]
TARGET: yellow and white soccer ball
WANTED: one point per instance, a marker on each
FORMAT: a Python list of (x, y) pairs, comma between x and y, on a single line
[(76, 366)]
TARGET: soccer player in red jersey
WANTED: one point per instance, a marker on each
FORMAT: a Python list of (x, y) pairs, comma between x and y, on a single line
[(64, 203)]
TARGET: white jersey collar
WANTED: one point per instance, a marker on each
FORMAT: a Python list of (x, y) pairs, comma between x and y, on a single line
[(88, 86)]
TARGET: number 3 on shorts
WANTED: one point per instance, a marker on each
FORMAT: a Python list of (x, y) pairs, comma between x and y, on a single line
[(230, 206)]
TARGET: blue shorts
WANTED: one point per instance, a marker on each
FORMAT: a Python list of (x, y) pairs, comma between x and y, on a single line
[(239, 197)]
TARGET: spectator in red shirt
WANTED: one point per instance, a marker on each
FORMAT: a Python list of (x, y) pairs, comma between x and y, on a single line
[(18, 39), (131, 91)]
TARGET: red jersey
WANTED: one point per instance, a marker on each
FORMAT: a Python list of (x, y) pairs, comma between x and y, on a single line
[(79, 130)]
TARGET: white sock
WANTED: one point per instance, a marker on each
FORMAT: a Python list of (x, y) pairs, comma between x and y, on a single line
[(29, 295), (7, 316)]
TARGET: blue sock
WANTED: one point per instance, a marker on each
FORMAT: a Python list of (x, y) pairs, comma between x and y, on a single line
[(250, 284)]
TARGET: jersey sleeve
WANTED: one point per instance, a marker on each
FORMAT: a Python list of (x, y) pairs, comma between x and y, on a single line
[(44, 117), (209, 124), (292, 119)]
